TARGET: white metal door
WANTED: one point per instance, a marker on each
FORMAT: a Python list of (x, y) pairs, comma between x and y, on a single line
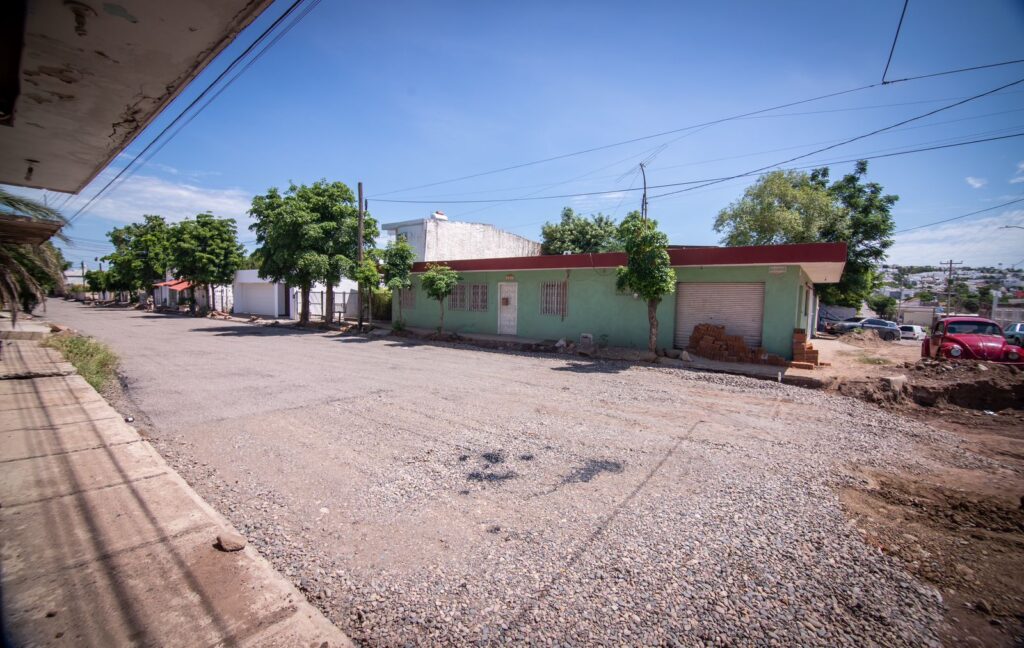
[(739, 307), (507, 308)]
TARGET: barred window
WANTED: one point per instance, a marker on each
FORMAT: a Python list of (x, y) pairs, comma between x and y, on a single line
[(478, 297), (408, 298), (554, 298), (457, 300)]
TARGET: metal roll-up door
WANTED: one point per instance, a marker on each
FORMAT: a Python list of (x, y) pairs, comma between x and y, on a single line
[(739, 307)]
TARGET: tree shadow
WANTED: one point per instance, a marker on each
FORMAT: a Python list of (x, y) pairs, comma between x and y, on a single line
[(597, 366)]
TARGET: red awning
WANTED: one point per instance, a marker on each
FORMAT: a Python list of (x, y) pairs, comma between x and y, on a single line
[(180, 285), (166, 283)]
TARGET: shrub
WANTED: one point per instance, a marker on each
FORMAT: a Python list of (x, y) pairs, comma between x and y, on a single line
[(94, 360)]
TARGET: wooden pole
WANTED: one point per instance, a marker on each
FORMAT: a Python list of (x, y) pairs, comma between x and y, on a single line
[(359, 254)]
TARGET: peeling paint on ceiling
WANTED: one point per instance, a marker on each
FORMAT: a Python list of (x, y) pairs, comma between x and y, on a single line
[(92, 80)]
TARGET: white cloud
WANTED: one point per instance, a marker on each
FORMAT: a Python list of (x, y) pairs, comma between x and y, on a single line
[(976, 242), (1020, 174), (174, 201), (976, 183)]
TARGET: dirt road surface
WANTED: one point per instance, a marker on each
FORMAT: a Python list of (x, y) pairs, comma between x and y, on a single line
[(436, 495)]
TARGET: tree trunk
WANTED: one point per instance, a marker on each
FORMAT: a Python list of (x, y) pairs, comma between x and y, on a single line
[(440, 329), (652, 318), (369, 307), (398, 293), (329, 307), (304, 307)]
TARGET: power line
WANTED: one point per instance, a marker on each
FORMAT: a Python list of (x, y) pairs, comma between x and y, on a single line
[(895, 38), (703, 182), (861, 136), (947, 220), (252, 46), (708, 123), (632, 169), (956, 71)]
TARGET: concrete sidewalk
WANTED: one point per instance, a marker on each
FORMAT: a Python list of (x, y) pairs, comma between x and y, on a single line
[(102, 544)]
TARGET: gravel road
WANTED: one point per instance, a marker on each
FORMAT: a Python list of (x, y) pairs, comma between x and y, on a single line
[(437, 495)]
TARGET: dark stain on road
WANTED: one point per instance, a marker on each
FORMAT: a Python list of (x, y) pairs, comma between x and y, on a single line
[(591, 469)]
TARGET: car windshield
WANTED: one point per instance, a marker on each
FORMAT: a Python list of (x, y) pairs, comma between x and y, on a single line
[(972, 328), (906, 328)]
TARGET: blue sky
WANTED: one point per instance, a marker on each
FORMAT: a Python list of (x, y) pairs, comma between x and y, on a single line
[(400, 94)]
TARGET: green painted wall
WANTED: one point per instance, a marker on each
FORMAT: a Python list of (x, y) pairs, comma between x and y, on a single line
[(595, 307)]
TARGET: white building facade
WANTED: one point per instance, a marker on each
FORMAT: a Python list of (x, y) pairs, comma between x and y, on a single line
[(436, 238)]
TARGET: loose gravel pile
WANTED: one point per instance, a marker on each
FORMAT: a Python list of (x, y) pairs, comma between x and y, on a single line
[(663, 508)]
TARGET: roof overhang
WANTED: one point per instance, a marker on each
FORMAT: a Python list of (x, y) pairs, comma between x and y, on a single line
[(19, 229), (86, 77), (822, 262)]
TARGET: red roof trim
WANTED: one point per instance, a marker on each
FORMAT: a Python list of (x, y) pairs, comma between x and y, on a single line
[(796, 254)]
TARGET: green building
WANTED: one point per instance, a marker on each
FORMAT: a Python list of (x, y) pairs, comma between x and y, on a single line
[(761, 293)]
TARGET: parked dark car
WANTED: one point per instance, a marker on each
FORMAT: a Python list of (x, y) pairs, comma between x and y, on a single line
[(970, 338), (1014, 333), (886, 330)]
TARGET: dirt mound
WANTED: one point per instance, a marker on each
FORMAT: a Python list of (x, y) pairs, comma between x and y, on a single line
[(959, 531), (929, 383), (863, 338)]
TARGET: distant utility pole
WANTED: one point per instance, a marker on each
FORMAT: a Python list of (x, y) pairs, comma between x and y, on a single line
[(949, 283), (359, 254), (643, 203)]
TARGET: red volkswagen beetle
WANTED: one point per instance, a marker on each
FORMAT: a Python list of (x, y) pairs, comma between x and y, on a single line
[(970, 338)]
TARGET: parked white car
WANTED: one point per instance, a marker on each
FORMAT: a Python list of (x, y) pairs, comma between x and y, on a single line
[(912, 332)]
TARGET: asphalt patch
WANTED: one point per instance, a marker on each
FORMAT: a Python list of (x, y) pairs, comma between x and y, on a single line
[(591, 469), (490, 477), (526, 457), (495, 457)]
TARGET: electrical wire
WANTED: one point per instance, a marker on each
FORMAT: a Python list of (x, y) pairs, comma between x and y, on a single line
[(859, 137), (708, 123), (895, 38), (703, 183), (234, 63), (947, 220)]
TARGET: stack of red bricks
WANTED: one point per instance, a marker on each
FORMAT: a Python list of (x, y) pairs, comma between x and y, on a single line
[(710, 341), (805, 356)]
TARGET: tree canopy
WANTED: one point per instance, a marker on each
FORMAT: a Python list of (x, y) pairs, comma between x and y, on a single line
[(141, 253), (309, 234), (438, 282), (648, 271), (397, 259), (797, 207), (205, 250), (578, 234)]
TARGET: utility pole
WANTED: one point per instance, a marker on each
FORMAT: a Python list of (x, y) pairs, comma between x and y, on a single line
[(359, 254), (643, 203), (949, 283)]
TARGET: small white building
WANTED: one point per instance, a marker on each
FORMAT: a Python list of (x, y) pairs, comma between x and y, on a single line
[(266, 298), (436, 238)]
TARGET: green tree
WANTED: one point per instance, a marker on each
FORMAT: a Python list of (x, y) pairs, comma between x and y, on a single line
[(867, 231), (309, 234), (205, 251), (398, 258), (796, 207), (96, 280), (367, 275), (438, 282), (925, 296), (577, 234), (141, 253), (648, 271), (28, 272), (884, 306), (781, 207)]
